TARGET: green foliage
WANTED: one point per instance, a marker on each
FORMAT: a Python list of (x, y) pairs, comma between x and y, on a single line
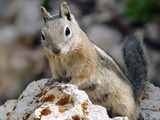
[(141, 11), (44, 3)]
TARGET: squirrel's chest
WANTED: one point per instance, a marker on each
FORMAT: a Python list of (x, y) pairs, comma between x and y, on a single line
[(63, 68)]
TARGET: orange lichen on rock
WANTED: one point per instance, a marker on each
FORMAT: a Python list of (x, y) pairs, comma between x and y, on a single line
[(21, 97), (76, 118), (65, 100), (84, 108), (145, 96), (8, 113), (84, 105), (46, 112), (61, 110), (14, 108), (49, 98), (37, 118), (41, 94), (60, 89)]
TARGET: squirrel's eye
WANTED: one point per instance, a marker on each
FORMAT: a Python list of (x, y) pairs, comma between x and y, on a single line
[(43, 37), (67, 31)]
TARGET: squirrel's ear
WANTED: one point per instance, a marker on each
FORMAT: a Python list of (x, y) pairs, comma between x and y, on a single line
[(64, 11), (45, 13)]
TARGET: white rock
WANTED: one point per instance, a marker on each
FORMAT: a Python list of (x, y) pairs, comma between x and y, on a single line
[(149, 108), (65, 102), (53, 102), (6, 108), (27, 101)]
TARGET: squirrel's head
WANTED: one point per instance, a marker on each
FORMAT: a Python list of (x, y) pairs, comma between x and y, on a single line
[(59, 34)]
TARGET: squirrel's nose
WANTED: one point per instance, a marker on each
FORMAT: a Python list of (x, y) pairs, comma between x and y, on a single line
[(56, 49)]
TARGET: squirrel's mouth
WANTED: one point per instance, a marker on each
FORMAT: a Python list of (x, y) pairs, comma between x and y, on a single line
[(55, 49), (58, 54), (59, 50)]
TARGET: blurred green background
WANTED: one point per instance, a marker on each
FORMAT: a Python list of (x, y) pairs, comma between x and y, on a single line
[(106, 22)]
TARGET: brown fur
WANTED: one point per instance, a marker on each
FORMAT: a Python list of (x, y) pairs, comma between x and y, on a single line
[(84, 61), (86, 65)]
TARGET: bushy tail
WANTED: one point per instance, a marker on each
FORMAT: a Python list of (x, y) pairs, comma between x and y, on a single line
[(136, 64)]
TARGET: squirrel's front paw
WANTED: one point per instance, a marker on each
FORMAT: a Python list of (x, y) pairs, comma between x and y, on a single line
[(52, 81), (66, 79), (62, 86)]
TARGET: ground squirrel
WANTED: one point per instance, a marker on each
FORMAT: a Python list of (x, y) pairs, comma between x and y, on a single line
[(74, 59)]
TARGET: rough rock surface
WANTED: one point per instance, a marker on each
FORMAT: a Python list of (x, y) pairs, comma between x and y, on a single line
[(22, 57), (149, 108), (43, 101)]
